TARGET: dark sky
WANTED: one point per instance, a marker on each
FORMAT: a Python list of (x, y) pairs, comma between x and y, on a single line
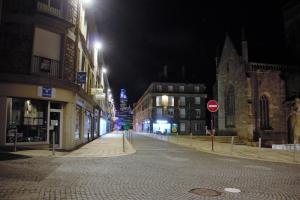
[(141, 36)]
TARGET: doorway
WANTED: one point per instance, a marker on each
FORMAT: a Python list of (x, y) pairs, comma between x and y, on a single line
[(56, 122)]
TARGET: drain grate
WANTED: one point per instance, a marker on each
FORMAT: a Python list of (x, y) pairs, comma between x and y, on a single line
[(205, 192)]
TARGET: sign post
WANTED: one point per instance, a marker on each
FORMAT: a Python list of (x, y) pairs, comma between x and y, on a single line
[(212, 107)]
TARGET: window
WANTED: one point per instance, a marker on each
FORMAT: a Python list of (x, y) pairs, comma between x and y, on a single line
[(158, 100), (230, 107), (197, 88), (171, 101), (159, 111), (197, 100), (181, 101), (182, 127), (181, 88), (197, 127), (159, 88), (264, 112), (28, 119), (171, 111), (182, 112), (198, 113), (170, 88)]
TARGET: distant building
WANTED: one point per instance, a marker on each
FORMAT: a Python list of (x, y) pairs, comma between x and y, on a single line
[(167, 108), (256, 99), (124, 114)]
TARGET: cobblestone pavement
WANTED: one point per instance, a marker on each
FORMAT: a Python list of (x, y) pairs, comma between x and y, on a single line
[(157, 171)]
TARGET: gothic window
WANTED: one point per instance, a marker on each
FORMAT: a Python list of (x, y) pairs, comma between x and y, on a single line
[(264, 112), (230, 107)]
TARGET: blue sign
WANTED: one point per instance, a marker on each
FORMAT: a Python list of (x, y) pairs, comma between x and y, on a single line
[(81, 77), (46, 92)]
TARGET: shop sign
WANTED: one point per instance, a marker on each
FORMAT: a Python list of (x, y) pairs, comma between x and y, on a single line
[(96, 91), (81, 77)]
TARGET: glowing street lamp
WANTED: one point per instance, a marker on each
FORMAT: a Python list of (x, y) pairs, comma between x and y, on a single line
[(87, 1), (98, 45), (104, 70)]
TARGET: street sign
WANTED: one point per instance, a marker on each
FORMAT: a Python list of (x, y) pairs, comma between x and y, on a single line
[(212, 106), (46, 92), (81, 77)]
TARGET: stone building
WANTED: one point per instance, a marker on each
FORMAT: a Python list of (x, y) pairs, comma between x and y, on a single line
[(51, 77), (167, 108), (254, 96)]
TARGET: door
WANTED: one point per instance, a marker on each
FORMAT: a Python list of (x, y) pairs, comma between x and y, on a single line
[(55, 121)]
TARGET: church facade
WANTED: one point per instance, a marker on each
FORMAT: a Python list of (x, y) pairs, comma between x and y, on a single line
[(257, 100)]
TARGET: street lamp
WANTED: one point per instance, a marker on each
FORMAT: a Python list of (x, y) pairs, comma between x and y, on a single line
[(87, 1), (98, 45), (104, 70)]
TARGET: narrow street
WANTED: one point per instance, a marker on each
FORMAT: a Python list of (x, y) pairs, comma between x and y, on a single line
[(157, 170)]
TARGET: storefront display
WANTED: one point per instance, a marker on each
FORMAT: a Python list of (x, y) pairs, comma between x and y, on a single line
[(87, 126), (78, 122), (28, 118)]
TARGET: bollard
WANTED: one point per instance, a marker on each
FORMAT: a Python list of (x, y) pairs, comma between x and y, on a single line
[(259, 143), (295, 151), (231, 149), (53, 143), (15, 145), (123, 142)]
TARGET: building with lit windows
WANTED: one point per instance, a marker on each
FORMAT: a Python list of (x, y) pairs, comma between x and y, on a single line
[(51, 74), (170, 108)]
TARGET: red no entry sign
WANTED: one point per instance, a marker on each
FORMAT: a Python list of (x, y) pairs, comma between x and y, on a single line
[(212, 106)]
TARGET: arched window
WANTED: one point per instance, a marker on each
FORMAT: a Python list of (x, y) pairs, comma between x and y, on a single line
[(230, 107), (264, 112)]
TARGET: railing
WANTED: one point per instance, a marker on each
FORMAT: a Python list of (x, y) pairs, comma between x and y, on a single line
[(68, 13), (45, 67)]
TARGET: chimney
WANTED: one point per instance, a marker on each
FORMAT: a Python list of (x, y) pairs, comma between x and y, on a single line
[(244, 47), (183, 72), (165, 71)]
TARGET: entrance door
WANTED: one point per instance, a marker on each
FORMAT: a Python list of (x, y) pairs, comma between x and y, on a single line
[(55, 121)]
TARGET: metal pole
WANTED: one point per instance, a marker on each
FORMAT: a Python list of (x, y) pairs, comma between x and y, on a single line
[(53, 143), (177, 137), (211, 131), (259, 143), (123, 142), (191, 138), (232, 140)]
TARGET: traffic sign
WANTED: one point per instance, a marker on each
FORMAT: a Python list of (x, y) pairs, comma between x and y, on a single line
[(212, 106)]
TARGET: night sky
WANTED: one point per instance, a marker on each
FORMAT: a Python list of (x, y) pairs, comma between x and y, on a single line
[(141, 36)]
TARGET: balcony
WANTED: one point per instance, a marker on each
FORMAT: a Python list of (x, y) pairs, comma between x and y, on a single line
[(62, 10), (45, 67)]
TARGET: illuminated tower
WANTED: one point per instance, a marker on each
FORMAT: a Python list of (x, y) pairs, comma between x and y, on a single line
[(123, 101)]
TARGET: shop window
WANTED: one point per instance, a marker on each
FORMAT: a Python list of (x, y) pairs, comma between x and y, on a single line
[(87, 126), (78, 122), (182, 127), (28, 119)]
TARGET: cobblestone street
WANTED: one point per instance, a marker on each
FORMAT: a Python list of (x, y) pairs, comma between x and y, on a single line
[(158, 170)]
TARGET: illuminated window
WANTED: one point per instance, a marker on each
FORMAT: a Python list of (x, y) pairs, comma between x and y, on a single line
[(171, 101), (158, 100)]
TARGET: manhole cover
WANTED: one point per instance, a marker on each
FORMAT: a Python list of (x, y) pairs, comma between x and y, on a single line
[(205, 192)]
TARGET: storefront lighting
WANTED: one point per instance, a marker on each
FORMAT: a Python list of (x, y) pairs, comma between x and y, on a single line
[(161, 121)]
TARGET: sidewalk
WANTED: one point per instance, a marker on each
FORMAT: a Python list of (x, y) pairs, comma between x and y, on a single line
[(108, 145), (225, 149)]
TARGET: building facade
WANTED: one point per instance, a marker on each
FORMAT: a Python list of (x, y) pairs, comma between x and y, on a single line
[(51, 77), (170, 108), (254, 97)]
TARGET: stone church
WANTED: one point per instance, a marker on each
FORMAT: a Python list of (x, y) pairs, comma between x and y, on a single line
[(257, 100)]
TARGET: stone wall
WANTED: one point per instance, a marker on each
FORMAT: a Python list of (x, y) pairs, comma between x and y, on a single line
[(69, 65)]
